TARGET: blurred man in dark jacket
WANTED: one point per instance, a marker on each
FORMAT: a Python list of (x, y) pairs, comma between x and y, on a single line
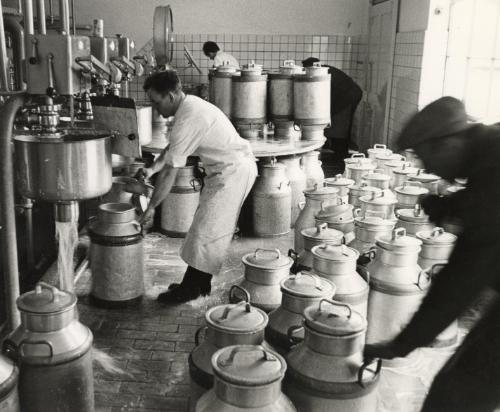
[(345, 98), (451, 147)]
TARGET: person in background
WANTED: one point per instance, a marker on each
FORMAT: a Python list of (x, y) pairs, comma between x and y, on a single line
[(213, 52), (345, 98), (200, 129), (451, 147)]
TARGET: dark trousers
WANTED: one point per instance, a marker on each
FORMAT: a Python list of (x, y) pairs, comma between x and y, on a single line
[(470, 380)]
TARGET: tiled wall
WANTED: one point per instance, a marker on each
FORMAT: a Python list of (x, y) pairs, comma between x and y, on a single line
[(406, 80), (343, 52)]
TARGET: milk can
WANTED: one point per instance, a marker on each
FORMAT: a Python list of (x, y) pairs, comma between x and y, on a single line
[(400, 175), (179, 207), (116, 256), (311, 101), (298, 292), (312, 169), (280, 99), (409, 194), (358, 190), (428, 180), (383, 202), (226, 325), (377, 178), (356, 171), (315, 199), (338, 264), (412, 157), (246, 377), (272, 201), (264, 271), (368, 228), (392, 165), (221, 87), (338, 217), (326, 372), (298, 180), (384, 157), (52, 349), (355, 158), (314, 236), (248, 100), (397, 285), (413, 220), (9, 375), (377, 149), (342, 184)]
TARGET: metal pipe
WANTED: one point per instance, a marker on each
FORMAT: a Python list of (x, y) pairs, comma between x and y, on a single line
[(28, 19), (64, 16), (4, 62), (66, 211), (73, 17), (30, 247), (7, 207), (13, 26), (51, 13), (40, 12)]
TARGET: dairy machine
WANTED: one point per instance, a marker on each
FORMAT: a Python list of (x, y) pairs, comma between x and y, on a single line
[(59, 115)]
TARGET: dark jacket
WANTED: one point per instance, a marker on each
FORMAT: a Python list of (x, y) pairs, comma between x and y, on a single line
[(475, 261), (344, 91)]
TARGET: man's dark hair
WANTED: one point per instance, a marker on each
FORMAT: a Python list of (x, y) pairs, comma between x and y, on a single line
[(210, 47), (310, 61), (163, 82)]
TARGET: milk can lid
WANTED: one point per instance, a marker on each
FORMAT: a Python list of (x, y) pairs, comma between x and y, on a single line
[(307, 284), (411, 188), (422, 176), (321, 191), (267, 259), (338, 180), (415, 215), (384, 197), (436, 236), (248, 365), (332, 211), (335, 253), (322, 232), (369, 220), (405, 170), (45, 299), (334, 318), (397, 240)]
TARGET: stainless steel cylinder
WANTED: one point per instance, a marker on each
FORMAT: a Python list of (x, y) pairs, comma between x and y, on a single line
[(221, 84)]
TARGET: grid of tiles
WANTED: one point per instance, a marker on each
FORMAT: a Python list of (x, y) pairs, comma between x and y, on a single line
[(407, 73), (344, 52)]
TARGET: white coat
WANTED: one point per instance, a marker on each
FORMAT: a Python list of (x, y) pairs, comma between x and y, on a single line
[(201, 129)]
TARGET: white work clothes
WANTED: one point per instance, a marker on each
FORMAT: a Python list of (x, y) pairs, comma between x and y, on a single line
[(201, 129), (223, 58)]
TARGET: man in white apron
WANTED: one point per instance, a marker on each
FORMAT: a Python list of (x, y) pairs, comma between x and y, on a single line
[(200, 129)]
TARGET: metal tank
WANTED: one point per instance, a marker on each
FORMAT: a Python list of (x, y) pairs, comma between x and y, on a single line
[(314, 236), (376, 150), (356, 170), (313, 170), (358, 190), (280, 99), (367, 229), (116, 255), (342, 184), (220, 87), (179, 207), (272, 201), (53, 351), (413, 220), (311, 101), (226, 325), (9, 375), (298, 292), (428, 180), (249, 100), (246, 378), (377, 178), (408, 195), (383, 202), (327, 372), (298, 181), (339, 217)]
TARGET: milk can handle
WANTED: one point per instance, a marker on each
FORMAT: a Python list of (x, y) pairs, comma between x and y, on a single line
[(245, 293), (197, 334), (437, 231), (284, 182), (296, 126), (336, 303), (301, 205), (290, 331), (293, 254), (238, 349), (417, 210), (37, 342), (433, 272), (138, 227), (398, 232), (364, 368), (317, 281), (267, 250), (9, 348), (428, 273), (55, 292), (358, 155), (199, 181), (321, 226), (379, 146)]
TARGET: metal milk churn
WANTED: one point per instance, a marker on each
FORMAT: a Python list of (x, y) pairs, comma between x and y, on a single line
[(231, 324), (221, 83), (299, 291), (384, 157), (338, 217), (409, 194), (392, 165), (358, 190), (356, 171), (179, 207), (315, 199), (326, 372), (413, 220), (272, 201), (280, 99), (53, 351), (9, 375), (116, 255), (397, 285), (247, 377), (318, 235), (338, 264), (377, 149), (342, 184), (377, 178), (400, 175), (248, 100), (382, 202), (428, 180), (298, 180), (368, 228), (355, 158), (264, 271), (311, 101), (312, 169), (412, 157)]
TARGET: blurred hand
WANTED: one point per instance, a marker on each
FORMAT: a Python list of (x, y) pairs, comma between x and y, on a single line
[(147, 216), (143, 174), (384, 350)]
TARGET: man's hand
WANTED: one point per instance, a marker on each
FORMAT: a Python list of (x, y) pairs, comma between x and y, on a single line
[(384, 350), (144, 173), (147, 216)]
